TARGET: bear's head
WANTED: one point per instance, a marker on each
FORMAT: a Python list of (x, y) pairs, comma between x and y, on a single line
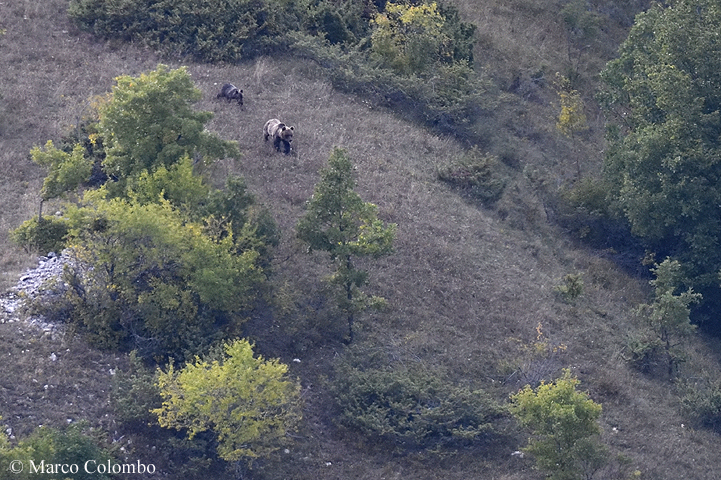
[(286, 133)]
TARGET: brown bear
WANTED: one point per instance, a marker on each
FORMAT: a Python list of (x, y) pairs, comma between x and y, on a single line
[(280, 132), (231, 92)]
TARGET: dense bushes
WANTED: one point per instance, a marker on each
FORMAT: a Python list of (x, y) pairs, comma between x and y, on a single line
[(144, 276), (46, 236), (410, 407), (476, 174), (248, 402), (416, 57), (50, 449), (225, 30), (162, 262), (662, 165)]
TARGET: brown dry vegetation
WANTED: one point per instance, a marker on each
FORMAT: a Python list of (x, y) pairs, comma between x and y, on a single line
[(466, 287)]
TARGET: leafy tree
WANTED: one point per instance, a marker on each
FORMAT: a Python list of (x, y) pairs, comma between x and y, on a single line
[(412, 38), (149, 123), (582, 26), (668, 316), (234, 211), (664, 157), (339, 222), (66, 171), (565, 428), (572, 118), (247, 402), (409, 38), (164, 262), (135, 393)]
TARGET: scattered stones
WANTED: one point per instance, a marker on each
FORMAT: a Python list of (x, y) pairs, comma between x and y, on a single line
[(30, 285)]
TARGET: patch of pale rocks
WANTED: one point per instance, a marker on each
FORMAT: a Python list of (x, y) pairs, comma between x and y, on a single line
[(30, 285)]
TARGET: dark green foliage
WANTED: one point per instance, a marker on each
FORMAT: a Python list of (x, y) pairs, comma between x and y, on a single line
[(664, 158), (233, 210), (643, 352), (224, 30), (162, 262), (149, 123), (46, 236), (582, 25), (476, 174), (668, 316), (701, 400), (410, 407), (73, 445), (342, 22), (443, 90), (340, 223), (571, 288), (146, 278), (135, 393), (449, 97)]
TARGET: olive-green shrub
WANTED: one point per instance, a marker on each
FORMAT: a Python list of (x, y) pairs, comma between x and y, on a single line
[(411, 408)]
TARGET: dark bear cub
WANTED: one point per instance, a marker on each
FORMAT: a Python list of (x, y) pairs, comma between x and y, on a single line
[(281, 133), (231, 92)]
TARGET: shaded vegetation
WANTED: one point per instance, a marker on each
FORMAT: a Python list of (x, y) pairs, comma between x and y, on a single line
[(409, 407), (662, 165)]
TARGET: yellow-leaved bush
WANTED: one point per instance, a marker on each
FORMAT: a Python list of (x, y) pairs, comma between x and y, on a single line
[(249, 403)]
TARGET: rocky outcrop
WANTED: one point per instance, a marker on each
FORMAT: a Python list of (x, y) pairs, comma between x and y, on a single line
[(30, 285)]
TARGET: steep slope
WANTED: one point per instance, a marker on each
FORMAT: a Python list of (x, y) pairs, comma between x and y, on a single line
[(467, 286)]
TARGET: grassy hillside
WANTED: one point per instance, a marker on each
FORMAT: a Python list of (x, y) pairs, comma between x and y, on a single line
[(467, 286)]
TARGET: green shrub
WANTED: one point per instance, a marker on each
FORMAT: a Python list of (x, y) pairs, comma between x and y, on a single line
[(135, 393), (46, 236), (411, 408), (50, 447), (164, 263), (668, 317), (148, 279), (571, 288), (476, 174), (564, 423), (442, 90), (212, 31), (701, 400), (590, 196), (248, 402), (643, 352)]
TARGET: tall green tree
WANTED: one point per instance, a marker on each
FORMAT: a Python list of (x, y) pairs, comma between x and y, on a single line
[(249, 403), (564, 423), (339, 222), (148, 123), (663, 164)]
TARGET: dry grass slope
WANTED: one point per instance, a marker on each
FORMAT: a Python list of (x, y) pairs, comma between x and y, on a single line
[(467, 287)]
